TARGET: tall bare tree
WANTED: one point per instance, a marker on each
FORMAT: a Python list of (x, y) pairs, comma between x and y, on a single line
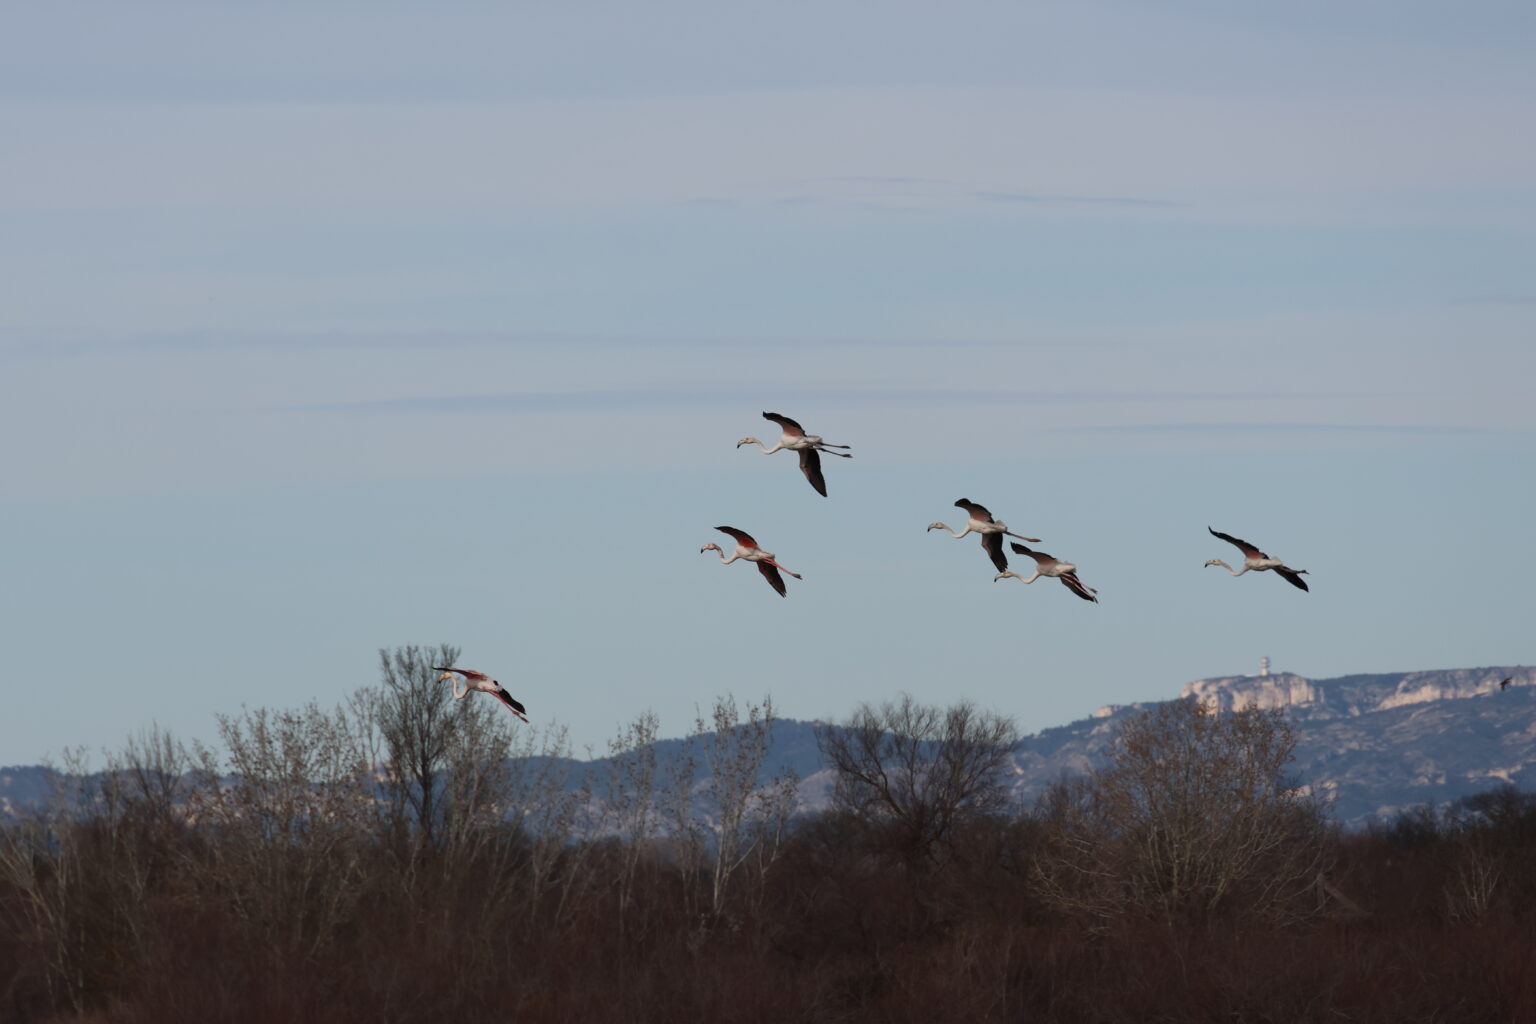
[(918, 770), (631, 801), (477, 781), (735, 752), (415, 714)]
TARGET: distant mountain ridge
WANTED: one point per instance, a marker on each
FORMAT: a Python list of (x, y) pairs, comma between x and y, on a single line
[(1376, 744)]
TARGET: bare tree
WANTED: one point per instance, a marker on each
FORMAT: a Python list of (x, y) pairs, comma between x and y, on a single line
[(1488, 837), (719, 819), (773, 810), (1194, 814), (631, 800), (735, 754), (152, 774), (919, 770), (449, 784), (687, 840), (414, 713), (286, 813), (549, 812), (477, 781), (74, 884)]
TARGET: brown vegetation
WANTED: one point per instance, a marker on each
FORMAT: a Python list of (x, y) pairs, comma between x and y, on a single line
[(1186, 882), (1194, 818)]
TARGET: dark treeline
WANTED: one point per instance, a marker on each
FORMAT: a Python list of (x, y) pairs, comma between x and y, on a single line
[(411, 858)]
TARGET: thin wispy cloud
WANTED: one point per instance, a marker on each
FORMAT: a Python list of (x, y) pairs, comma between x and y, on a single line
[(883, 202), (1275, 428), (1508, 299), (898, 192), (876, 179), (517, 403), (211, 342), (1060, 200)]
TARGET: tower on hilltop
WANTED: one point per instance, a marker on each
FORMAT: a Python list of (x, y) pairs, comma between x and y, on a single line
[(1264, 665)]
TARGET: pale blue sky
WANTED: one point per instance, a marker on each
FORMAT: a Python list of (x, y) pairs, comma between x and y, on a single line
[(333, 326)]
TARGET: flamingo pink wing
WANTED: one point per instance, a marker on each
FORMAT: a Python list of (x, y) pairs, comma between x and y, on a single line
[(977, 512), (791, 428), (1039, 556), (742, 537), (1248, 550)]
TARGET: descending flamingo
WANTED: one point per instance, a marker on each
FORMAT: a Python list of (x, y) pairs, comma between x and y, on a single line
[(795, 439), (1504, 683), (1045, 565), (1257, 561), (991, 530), (485, 684), (747, 549)]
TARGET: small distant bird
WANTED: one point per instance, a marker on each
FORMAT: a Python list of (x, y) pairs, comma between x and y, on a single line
[(991, 530), (485, 684), (795, 439), (747, 549), (1045, 565), (1504, 683), (1257, 561)]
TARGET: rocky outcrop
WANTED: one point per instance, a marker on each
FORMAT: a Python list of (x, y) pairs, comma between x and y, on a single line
[(1238, 693)]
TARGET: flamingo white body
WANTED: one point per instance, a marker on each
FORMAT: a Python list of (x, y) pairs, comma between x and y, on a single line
[(474, 681), (1255, 560), (795, 439), (992, 531), (748, 551), (1045, 565)]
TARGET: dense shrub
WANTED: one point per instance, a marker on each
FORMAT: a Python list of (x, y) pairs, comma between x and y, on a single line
[(1194, 816)]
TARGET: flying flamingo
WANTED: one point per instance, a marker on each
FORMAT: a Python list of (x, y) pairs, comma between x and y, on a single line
[(485, 684), (795, 439), (991, 530), (1257, 561), (1045, 565), (747, 549)]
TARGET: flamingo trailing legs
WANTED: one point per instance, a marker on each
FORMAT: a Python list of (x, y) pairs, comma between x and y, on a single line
[(795, 439), (1255, 560), (992, 531), (747, 550), (1045, 565)]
